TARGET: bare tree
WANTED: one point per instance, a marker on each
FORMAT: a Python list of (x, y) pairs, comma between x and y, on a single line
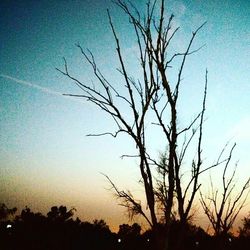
[(222, 210), (152, 94)]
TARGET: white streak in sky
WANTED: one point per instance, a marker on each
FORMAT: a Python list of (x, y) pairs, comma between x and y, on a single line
[(32, 85), (35, 86)]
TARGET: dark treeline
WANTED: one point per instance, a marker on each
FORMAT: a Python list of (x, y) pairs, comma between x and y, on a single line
[(59, 230)]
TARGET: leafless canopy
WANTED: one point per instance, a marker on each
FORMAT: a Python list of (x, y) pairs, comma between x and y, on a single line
[(154, 94), (222, 210)]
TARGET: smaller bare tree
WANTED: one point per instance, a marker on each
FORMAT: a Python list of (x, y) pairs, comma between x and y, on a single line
[(223, 211)]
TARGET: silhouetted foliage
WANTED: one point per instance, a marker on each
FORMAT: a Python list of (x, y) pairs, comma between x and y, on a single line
[(127, 231), (129, 236), (244, 233), (245, 230), (58, 230), (60, 213), (243, 241), (5, 212)]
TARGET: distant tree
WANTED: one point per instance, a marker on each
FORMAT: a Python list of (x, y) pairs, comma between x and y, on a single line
[(129, 237), (58, 231), (243, 241), (6, 226), (60, 213), (127, 231), (27, 214), (100, 230), (245, 230), (29, 230), (101, 224), (5, 212)]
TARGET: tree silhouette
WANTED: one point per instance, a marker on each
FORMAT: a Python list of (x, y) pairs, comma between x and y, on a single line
[(152, 99), (129, 236), (60, 213), (243, 241), (245, 230), (127, 231)]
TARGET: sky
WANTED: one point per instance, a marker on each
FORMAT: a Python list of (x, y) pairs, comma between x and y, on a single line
[(46, 158)]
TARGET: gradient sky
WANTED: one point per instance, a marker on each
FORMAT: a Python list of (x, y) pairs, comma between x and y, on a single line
[(45, 157)]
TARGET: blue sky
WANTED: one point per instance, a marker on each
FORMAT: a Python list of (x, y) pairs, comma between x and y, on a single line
[(45, 157)]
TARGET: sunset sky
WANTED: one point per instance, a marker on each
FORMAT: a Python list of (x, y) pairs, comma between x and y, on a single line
[(46, 158)]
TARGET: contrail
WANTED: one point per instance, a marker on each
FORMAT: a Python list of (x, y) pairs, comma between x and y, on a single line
[(35, 86), (32, 85)]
